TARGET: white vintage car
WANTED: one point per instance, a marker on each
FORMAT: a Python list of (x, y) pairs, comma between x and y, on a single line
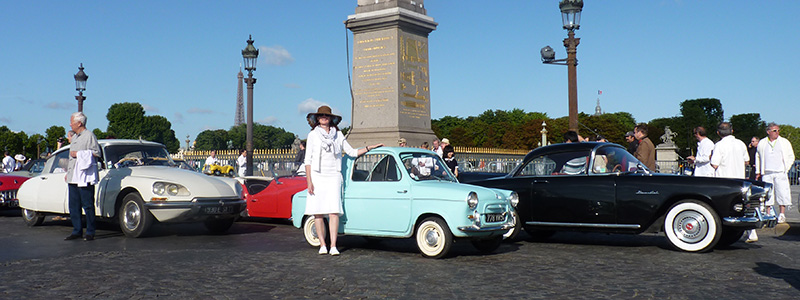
[(138, 185)]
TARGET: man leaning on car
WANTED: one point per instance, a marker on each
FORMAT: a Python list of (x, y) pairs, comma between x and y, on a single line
[(81, 177)]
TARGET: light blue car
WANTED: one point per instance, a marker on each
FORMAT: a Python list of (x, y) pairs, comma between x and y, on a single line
[(404, 192)]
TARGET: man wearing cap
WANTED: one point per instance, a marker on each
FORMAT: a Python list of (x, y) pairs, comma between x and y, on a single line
[(401, 142), (632, 142)]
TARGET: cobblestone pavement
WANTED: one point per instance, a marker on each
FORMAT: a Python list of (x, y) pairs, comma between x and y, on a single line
[(270, 259)]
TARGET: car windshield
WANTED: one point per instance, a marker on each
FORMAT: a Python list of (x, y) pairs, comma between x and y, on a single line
[(426, 166), (122, 156), (606, 159)]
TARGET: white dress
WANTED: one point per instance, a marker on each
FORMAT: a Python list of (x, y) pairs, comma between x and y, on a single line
[(326, 174)]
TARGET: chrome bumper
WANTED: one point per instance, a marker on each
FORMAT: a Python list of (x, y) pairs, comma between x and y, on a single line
[(196, 207), (9, 199), (478, 227), (758, 221)]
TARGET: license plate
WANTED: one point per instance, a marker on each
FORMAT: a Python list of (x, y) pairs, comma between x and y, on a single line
[(216, 210), (495, 218)]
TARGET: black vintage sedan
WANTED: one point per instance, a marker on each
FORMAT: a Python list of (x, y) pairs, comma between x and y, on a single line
[(601, 187)]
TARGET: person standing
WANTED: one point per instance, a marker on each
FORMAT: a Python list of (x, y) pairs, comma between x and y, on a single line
[(242, 162), (444, 143), (774, 158), (437, 147), (450, 159), (632, 142), (301, 153), (8, 163), (751, 151), (702, 162), (729, 159), (211, 160), (645, 152), (81, 177), (323, 164)]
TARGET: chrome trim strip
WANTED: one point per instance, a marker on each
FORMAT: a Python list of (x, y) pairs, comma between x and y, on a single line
[(586, 225), (474, 228)]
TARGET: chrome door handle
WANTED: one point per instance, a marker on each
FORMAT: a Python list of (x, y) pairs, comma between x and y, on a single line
[(402, 192)]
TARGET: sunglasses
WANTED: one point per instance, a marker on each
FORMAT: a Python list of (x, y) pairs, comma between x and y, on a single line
[(773, 130)]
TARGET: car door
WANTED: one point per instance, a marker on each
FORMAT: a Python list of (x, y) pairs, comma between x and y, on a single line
[(565, 192), (52, 185), (376, 197)]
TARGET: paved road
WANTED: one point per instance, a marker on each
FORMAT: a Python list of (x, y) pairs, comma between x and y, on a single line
[(261, 259)]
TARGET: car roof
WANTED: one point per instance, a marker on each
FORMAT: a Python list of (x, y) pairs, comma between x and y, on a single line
[(106, 142), (403, 150)]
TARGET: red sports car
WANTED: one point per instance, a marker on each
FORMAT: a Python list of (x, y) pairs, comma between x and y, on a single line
[(272, 198), (9, 184)]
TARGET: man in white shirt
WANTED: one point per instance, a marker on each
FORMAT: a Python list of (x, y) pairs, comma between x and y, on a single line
[(242, 162), (211, 160), (729, 160), (774, 158), (8, 163), (729, 157), (702, 162)]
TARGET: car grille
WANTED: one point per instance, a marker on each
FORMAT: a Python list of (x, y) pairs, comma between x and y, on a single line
[(752, 206), (8, 195)]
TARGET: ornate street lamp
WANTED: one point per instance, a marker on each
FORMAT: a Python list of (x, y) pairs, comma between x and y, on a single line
[(250, 56), (571, 17), (80, 86)]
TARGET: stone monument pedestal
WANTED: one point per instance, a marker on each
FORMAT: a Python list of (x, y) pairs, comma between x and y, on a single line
[(666, 158), (391, 86)]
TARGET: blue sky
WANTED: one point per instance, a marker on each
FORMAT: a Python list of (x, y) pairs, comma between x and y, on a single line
[(179, 59)]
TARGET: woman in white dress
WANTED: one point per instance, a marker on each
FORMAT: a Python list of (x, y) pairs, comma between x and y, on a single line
[(323, 165)]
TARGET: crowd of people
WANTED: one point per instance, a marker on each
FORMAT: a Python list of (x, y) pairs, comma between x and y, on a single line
[(11, 164)]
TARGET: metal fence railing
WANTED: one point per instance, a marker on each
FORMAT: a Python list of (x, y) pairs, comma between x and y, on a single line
[(281, 162)]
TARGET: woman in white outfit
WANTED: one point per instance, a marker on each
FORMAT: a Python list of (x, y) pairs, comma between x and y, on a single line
[(323, 165)]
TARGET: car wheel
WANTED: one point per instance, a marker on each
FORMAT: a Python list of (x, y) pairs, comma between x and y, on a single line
[(512, 233), (310, 233), (219, 226), (434, 238), (32, 217), (231, 173), (217, 173), (729, 236), (538, 234), (134, 218), (692, 226), (487, 246)]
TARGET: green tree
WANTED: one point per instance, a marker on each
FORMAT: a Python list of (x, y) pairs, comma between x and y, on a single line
[(264, 137), (746, 126), (125, 120), (51, 136), (211, 140)]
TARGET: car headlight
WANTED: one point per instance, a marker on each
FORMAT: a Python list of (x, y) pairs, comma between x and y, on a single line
[(514, 199), (170, 189), (472, 200)]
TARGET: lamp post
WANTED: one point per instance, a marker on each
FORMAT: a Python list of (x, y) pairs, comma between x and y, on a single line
[(571, 18), (80, 86), (250, 56)]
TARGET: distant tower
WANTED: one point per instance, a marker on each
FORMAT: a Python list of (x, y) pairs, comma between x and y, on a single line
[(597, 110), (239, 118)]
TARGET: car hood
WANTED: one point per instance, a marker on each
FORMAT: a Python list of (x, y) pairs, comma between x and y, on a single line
[(448, 190), (199, 184)]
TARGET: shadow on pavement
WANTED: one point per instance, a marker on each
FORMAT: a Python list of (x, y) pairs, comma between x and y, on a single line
[(791, 276)]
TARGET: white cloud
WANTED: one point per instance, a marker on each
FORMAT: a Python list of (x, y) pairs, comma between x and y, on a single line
[(309, 105), (178, 118), (271, 120), (150, 109), (276, 55), (196, 110), (61, 105)]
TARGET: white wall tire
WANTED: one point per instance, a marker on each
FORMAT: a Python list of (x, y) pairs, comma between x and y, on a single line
[(434, 238), (309, 232), (692, 226)]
